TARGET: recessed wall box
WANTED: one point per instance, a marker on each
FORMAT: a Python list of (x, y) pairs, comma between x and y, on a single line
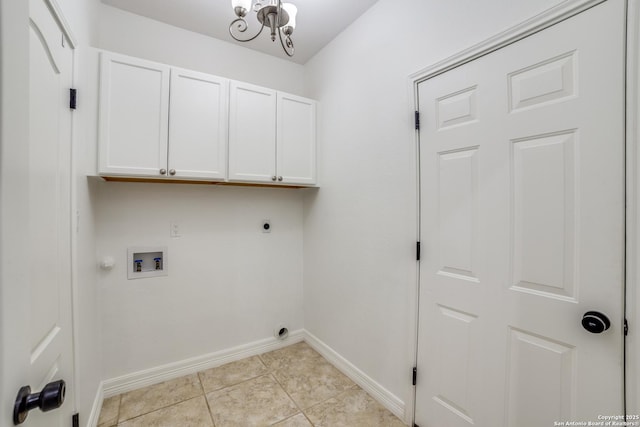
[(145, 262)]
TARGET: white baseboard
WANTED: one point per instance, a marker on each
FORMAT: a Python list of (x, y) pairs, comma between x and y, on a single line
[(158, 374), (377, 391), (147, 377), (92, 421)]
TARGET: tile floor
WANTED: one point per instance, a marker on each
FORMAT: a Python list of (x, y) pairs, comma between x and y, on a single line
[(291, 387)]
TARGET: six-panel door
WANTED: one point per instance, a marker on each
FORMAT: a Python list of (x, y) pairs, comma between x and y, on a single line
[(41, 346), (522, 169)]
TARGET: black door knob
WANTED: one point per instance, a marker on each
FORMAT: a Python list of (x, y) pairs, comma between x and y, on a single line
[(595, 322), (51, 397)]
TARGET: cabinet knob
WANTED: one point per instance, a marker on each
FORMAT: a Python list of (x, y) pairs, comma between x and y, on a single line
[(273, 178), (172, 172), (163, 171), (279, 178)]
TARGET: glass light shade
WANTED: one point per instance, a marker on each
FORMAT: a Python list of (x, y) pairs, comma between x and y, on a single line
[(292, 10), (246, 4)]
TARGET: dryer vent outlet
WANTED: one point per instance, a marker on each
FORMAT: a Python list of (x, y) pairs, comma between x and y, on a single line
[(281, 332)]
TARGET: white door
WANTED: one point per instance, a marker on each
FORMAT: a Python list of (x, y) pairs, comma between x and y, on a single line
[(252, 133), (134, 116), (522, 223), (42, 347), (198, 122), (296, 140)]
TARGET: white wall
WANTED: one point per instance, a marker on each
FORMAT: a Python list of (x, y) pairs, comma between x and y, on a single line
[(127, 33), (229, 283), (360, 228)]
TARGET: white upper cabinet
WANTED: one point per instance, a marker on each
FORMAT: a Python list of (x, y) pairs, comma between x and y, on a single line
[(272, 136), (198, 116), (134, 106), (296, 140), (163, 122), (252, 133), (159, 121)]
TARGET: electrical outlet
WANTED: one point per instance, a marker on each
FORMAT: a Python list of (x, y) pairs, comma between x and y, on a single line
[(174, 230)]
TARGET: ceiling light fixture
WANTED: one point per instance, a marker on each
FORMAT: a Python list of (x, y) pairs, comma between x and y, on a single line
[(279, 17)]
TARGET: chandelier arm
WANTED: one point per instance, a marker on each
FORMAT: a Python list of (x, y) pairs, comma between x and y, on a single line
[(287, 44), (242, 26)]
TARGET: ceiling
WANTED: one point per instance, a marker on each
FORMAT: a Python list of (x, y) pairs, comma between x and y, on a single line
[(318, 21)]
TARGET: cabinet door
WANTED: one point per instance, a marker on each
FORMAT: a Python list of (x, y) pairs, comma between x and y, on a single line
[(133, 120), (296, 140), (252, 133), (198, 125)]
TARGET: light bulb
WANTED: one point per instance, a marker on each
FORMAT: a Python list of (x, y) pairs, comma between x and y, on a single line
[(291, 10), (245, 4)]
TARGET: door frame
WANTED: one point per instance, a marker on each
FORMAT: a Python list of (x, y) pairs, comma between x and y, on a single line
[(65, 27), (632, 274), (531, 26)]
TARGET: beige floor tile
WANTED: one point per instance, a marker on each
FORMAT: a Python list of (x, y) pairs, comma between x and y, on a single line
[(296, 421), (232, 373), (253, 392), (293, 356), (353, 408), (257, 402), (190, 413), (313, 382), (109, 412), (148, 399)]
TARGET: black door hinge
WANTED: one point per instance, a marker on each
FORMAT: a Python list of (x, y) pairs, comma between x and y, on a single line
[(417, 120), (417, 251), (73, 93), (626, 327), (75, 420), (414, 375)]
